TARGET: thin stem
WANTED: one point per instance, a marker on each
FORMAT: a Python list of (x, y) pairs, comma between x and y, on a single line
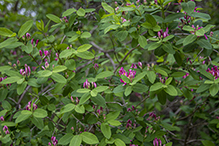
[(142, 101), (125, 58)]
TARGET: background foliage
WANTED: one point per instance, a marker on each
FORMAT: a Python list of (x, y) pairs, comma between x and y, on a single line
[(96, 73)]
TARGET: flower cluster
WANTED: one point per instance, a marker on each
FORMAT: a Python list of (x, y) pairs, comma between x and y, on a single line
[(27, 36), (46, 53), (26, 71), (54, 141), (131, 109), (214, 71), (162, 34), (130, 74), (35, 43), (65, 19), (5, 129), (28, 107), (157, 141), (151, 116), (187, 74), (88, 84), (129, 124)]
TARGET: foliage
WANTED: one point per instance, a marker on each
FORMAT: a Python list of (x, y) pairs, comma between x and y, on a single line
[(129, 73)]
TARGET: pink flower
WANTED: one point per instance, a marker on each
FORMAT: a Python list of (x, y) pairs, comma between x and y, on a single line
[(86, 84), (2, 118), (40, 52), (27, 35)]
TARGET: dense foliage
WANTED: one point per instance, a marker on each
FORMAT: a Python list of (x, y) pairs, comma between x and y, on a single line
[(125, 73)]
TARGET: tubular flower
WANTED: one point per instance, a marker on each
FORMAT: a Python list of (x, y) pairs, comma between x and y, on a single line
[(28, 107), (214, 71), (130, 74), (163, 34), (87, 84)]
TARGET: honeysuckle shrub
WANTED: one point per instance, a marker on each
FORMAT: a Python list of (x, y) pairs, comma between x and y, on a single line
[(138, 74)]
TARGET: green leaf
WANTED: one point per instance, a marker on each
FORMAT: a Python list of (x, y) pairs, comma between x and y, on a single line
[(168, 81), (169, 127), (104, 74), (10, 80), (53, 18), (187, 93), (66, 53), (203, 43), (119, 89), (76, 140), (38, 122), (189, 39), (207, 143), (111, 27), (207, 74), (168, 38), (80, 12), (40, 113), (106, 130), (73, 38), (122, 35), (70, 64), (27, 48), (125, 78), (201, 15), (3, 94), (107, 7), (188, 28), (99, 100), (138, 78), (85, 35), (80, 109), (59, 68), (149, 18), (128, 90), (178, 74), (67, 108), (161, 71), (188, 7), (161, 97), (68, 12), (64, 140), (58, 78), (200, 32), (84, 98), (171, 90), (112, 115), (84, 48), (25, 28), (25, 114), (140, 88), (154, 46), (114, 122), (202, 88), (101, 88), (44, 73), (142, 41), (151, 76), (83, 90), (8, 124), (214, 89), (156, 86), (21, 87), (89, 138), (6, 32), (168, 48), (3, 68), (174, 16), (8, 42), (85, 55), (119, 142), (6, 105)]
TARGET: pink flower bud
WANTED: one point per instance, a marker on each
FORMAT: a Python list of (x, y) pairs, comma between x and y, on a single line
[(32, 41), (46, 64), (2, 118), (41, 53), (27, 35)]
